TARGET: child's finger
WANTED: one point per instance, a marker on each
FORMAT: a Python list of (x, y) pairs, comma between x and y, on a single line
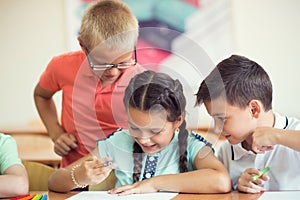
[(252, 171), (265, 177), (259, 181), (248, 189), (72, 141), (120, 189)]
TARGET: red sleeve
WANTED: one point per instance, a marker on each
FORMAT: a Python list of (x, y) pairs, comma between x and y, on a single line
[(49, 79)]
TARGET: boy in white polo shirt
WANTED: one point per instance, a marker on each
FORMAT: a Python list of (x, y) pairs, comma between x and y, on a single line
[(238, 95)]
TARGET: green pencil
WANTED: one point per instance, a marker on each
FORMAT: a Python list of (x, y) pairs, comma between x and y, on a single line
[(265, 170)]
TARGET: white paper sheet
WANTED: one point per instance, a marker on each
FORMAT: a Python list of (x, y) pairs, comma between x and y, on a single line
[(103, 195), (290, 195)]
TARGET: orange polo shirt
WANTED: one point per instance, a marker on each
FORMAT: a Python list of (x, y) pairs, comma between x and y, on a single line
[(89, 112)]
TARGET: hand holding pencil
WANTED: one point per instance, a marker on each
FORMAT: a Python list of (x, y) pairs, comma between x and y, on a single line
[(251, 180), (92, 171)]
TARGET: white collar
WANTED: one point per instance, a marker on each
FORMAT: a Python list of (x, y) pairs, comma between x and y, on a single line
[(281, 122), (238, 151)]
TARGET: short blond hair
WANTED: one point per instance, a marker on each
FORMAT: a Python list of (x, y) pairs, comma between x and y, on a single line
[(110, 22)]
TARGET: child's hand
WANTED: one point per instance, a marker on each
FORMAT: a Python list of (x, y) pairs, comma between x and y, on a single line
[(94, 170), (245, 183), (65, 143), (145, 186), (263, 139)]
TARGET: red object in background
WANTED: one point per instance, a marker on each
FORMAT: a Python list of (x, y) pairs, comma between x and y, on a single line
[(195, 3), (149, 56), (87, 1)]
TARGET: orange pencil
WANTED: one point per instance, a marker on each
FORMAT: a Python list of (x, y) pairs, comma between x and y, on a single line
[(28, 197)]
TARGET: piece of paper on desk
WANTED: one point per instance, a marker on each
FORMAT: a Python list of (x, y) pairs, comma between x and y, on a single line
[(290, 195), (103, 195)]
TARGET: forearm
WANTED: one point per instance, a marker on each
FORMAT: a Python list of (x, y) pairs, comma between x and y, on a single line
[(199, 181), (61, 181), (47, 111), (13, 185), (289, 138)]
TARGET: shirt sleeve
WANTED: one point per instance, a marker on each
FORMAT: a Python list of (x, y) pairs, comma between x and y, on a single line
[(195, 143), (8, 153), (48, 79), (118, 143)]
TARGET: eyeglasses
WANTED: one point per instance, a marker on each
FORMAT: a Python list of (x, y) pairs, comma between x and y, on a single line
[(102, 67)]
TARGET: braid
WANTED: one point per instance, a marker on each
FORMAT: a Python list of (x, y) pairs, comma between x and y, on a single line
[(137, 155), (182, 142), (169, 100)]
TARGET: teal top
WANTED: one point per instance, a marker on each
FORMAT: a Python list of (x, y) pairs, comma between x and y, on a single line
[(8, 152), (119, 146)]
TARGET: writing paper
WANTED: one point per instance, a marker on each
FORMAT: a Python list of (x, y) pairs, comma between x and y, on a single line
[(290, 195), (103, 195)]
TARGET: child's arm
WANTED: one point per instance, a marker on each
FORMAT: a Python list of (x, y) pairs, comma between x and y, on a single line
[(265, 137), (63, 142), (210, 177), (86, 171), (14, 181)]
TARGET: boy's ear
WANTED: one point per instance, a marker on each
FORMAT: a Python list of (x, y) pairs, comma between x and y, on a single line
[(255, 108), (80, 41)]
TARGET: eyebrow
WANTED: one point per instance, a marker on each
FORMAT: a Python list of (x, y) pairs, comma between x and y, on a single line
[(218, 114)]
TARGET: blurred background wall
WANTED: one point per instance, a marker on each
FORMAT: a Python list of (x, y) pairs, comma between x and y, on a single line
[(267, 31)]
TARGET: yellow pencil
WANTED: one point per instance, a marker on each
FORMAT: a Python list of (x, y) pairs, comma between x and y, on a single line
[(37, 197)]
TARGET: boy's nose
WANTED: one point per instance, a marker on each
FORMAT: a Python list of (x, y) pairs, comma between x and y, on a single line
[(113, 70), (218, 129)]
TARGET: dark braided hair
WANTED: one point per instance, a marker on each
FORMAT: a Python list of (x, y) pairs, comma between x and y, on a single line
[(137, 152), (149, 89), (182, 142)]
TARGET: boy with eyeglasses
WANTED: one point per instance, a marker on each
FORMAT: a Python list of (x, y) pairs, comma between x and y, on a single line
[(92, 81)]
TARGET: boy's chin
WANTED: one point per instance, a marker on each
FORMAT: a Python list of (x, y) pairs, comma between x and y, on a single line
[(233, 142)]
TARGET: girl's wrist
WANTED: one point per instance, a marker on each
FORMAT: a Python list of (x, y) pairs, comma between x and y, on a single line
[(74, 179), (154, 182)]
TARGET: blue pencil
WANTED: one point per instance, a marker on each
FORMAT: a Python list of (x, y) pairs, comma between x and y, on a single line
[(44, 197)]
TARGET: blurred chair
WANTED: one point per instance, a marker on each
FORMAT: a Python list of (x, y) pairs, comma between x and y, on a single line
[(105, 185), (38, 175)]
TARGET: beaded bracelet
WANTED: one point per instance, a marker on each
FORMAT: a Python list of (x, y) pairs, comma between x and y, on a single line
[(73, 178)]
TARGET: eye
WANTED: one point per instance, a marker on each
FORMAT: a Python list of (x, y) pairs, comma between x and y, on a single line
[(155, 132), (222, 119), (134, 128)]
